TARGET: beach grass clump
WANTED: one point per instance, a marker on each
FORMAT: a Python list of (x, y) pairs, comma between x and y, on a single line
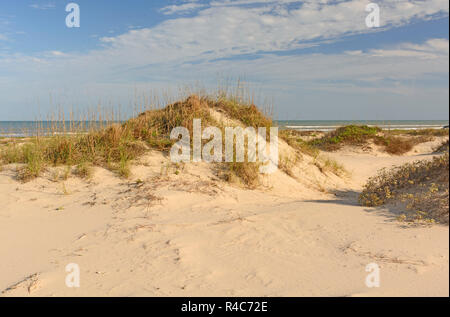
[(154, 126), (103, 147), (423, 186), (245, 173), (32, 157), (248, 114), (390, 142), (398, 145), (395, 145), (113, 147), (293, 139), (116, 145), (195, 107), (83, 170), (326, 164), (350, 134)]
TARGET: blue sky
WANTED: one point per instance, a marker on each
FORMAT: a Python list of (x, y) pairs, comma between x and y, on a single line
[(314, 59)]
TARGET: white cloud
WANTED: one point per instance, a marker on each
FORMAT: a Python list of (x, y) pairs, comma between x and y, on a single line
[(227, 29), (182, 8), (183, 49), (40, 6)]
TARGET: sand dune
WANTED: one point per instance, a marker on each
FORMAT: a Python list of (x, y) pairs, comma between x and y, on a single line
[(192, 234)]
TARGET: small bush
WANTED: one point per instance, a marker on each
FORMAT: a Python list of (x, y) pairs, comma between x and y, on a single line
[(351, 134), (422, 185)]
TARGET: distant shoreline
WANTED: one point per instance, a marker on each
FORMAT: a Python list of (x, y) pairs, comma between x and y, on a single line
[(27, 128)]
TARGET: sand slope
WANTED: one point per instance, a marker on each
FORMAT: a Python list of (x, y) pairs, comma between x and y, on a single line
[(194, 235)]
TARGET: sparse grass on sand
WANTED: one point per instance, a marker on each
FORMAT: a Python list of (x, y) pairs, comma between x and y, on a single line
[(422, 132), (392, 142), (294, 139), (347, 135), (423, 186), (323, 163), (115, 146)]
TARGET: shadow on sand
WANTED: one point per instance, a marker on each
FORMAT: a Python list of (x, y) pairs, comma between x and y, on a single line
[(391, 212)]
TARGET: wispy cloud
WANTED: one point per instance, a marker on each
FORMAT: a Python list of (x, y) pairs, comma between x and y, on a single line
[(214, 37), (182, 8), (42, 6), (228, 29)]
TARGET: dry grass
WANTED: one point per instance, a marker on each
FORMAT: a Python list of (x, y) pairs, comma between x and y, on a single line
[(84, 170), (399, 145), (390, 141), (347, 135), (423, 186), (326, 164), (245, 173), (115, 146), (421, 132), (293, 138), (323, 163)]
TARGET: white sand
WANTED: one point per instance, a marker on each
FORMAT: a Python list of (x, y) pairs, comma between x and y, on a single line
[(193, 235)]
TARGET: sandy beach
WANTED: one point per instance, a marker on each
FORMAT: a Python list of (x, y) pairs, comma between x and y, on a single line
[(224, 156), (189, 233)]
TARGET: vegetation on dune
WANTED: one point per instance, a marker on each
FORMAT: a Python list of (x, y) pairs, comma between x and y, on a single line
[(324, 164), (390, 141), (423, 132), (243, 172), (293, 138), (399, 145), (248, 114), (423, 186), (115, 146), (351, 134)]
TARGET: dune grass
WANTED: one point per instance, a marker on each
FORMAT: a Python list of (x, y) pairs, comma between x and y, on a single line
[(294, 139), (421, 132), (116, 145), (391, 142), (423, 186), (351, 134), (397, 145)]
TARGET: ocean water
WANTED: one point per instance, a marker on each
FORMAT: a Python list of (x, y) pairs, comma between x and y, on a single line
[(29, 128)]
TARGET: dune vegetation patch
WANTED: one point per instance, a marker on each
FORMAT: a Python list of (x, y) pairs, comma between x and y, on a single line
[(347, 135), (423, 186), (421, 132), (295, 140), (116, 145), (398, 145), (359, 135)]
